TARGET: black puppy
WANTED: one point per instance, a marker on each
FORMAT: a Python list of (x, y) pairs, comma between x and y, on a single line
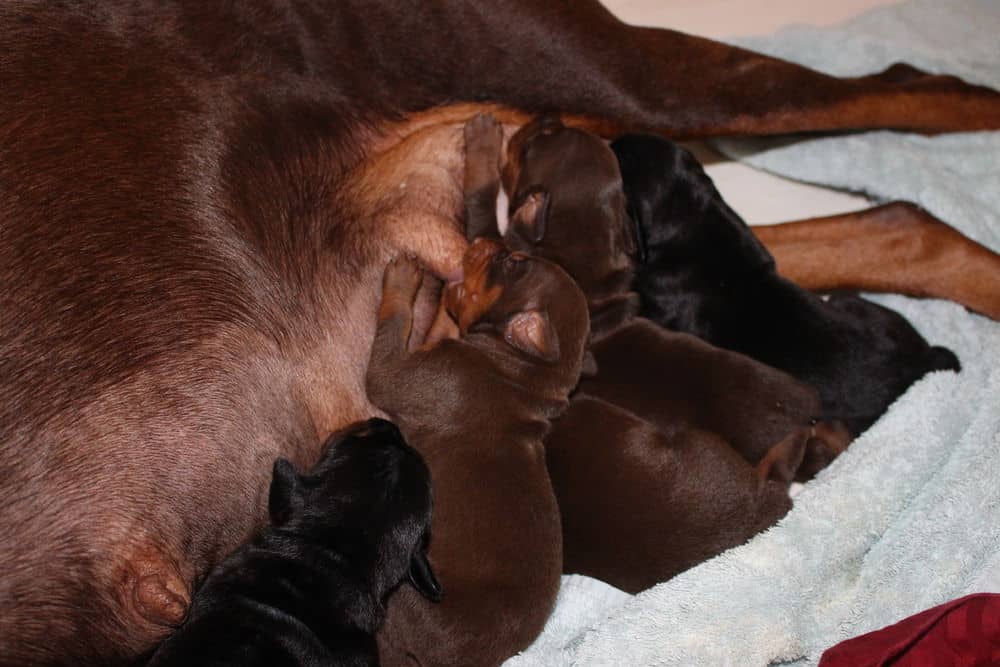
[(701, 270), (311, 588)]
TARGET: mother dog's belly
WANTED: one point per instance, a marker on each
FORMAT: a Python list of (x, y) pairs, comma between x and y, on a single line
[(144, 482)]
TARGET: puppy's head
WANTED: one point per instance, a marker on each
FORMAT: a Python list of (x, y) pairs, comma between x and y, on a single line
[(678, 216), (368, 498), (528, 301), (567, 204)]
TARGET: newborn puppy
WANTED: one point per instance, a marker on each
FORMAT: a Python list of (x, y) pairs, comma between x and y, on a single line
[(643, 462), (568, 205), (702, 271), (310, 589), (478, 407)]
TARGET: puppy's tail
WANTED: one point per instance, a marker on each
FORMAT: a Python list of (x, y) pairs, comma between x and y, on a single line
[(941, 359)]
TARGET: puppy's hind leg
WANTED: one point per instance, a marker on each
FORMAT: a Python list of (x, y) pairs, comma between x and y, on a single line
[(827, 441), (781, 462), (483, 146), (400, 283)]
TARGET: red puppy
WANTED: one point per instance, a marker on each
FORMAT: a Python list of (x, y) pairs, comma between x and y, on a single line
[(478, 408)]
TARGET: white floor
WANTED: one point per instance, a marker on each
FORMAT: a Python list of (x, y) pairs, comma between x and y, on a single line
[(758, 197)]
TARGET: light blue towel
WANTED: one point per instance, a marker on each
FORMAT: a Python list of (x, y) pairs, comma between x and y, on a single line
[(909, 517)]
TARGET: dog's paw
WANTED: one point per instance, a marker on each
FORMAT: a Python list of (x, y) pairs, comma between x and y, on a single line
[(402, 277), (483, 136)]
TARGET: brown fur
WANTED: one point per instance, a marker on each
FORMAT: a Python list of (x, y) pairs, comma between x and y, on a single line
[(896, 247), (647, 462), (192, 247), (477, 408), (640, 504)]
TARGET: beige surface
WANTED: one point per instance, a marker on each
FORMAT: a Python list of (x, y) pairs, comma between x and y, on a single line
[(757, 196)]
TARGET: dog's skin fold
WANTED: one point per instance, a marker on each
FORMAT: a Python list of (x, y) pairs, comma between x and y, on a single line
[(193, 227)]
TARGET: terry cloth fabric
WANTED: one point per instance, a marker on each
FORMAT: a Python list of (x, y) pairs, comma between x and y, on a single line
[(962, 632), (909, 517)]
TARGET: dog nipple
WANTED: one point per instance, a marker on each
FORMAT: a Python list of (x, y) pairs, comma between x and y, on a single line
[(153, 588), (161, 599)]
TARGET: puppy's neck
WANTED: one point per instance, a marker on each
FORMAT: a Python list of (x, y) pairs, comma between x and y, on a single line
[(607, 315), (323, 587), (544, 386)]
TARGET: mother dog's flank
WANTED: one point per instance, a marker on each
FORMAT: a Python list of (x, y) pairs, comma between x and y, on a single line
[(311, 588), (192, 240)]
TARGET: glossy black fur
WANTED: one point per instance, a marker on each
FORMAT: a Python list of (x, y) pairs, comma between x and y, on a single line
[(311, 588), (702, 271)]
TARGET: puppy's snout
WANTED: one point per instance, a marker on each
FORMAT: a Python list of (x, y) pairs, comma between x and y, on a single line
[(479, 254), (454, 293)]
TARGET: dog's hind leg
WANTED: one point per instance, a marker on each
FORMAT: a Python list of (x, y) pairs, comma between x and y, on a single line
[(897, 247), (574, 56)]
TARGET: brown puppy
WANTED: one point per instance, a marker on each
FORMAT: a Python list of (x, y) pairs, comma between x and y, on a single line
[(192, 240), (643, 463), (478, 408), (640, 504), (567, 205)]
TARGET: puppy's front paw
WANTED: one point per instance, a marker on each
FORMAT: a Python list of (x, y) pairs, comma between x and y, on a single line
[(483, 137), (402, 278)]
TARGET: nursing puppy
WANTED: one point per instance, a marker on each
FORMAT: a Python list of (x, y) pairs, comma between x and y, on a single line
[(567, 204), (310, 589), (702, 271), (646, 461), (478, 407)]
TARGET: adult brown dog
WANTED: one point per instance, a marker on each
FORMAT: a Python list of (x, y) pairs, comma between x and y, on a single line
[(192, 248), (478, 408)]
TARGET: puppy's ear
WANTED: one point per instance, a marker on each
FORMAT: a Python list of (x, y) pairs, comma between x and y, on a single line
[(529, 219), (531, 332), (285, 498), (422, 577)]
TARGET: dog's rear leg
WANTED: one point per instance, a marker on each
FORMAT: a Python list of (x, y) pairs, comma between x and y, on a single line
[(574, 56), (898, 247)]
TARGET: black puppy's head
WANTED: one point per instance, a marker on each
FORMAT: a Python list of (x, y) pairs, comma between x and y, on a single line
[(567, 205), (369, 499), (884, 346), (679, 216)]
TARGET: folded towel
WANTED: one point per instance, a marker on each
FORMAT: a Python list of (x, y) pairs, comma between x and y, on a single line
[(909, 517)]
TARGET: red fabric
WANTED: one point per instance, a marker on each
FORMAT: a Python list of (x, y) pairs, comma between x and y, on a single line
[(961, 633)]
